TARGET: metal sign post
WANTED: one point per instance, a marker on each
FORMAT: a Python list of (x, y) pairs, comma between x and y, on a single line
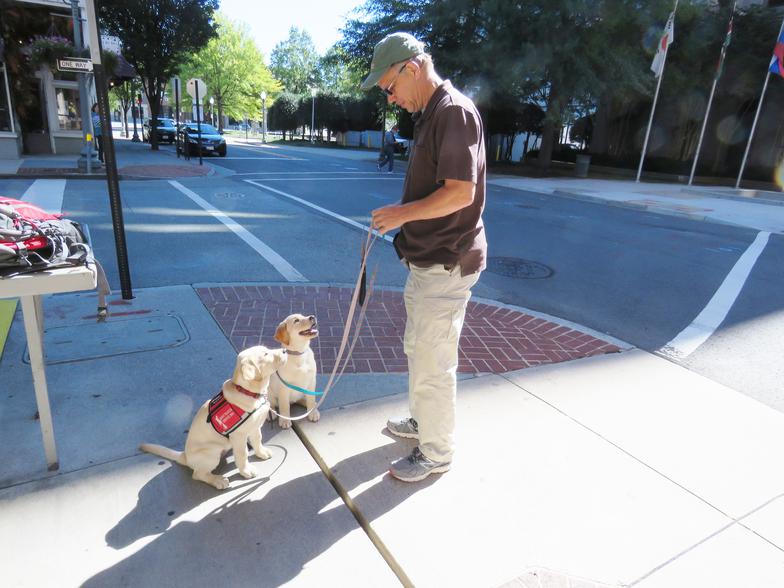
[(109, 155), (176, 85), (197, 88)]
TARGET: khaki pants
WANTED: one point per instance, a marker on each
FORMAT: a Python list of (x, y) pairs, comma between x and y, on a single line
[(436, 300)]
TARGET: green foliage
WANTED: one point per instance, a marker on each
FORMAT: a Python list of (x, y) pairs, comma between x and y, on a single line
[(295, 62), (233, 68), (158, 36), (283, 113), (337, 73)]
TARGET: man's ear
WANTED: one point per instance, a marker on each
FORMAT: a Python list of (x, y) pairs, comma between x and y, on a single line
[(282, 334), (249, 369)]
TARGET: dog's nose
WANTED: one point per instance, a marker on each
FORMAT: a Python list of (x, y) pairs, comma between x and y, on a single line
[(312, 318)]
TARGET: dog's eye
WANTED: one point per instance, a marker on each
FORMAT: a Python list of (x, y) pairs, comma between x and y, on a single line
[(296, 320)]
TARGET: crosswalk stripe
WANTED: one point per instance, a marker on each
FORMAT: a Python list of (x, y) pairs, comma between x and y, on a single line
[(284, 267)]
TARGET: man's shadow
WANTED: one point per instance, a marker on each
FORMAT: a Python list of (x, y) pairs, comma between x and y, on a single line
[(252, 538)]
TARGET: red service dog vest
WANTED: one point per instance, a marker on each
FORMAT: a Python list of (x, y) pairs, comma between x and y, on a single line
[(224, 416)]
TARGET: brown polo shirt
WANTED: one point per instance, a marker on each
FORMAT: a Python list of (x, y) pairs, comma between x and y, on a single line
[(448, 145)]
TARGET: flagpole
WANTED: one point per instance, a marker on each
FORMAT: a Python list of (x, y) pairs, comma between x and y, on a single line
[(710, 100), (756, 117), (655, 99)]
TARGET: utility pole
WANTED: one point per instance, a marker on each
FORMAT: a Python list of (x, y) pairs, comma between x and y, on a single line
[(111, 162), (87, 154)]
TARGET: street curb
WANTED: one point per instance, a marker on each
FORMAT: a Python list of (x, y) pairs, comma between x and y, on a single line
[(753, 199), (636, 206)]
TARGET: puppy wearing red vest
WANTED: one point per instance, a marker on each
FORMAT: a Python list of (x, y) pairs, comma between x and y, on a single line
[(230, 420), (295, 382)]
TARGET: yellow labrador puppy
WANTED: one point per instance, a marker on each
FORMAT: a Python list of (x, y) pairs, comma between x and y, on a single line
[(295, 334), (231, 419)]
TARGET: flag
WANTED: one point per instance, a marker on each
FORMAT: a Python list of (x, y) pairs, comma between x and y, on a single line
[(727, 40), (777, 62), (667, 39)]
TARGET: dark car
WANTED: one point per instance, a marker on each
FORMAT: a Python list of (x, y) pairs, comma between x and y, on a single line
[(212, 140), (165, 130)]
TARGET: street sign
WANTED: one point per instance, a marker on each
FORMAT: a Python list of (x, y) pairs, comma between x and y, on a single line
[(75, 64), (191, 88)]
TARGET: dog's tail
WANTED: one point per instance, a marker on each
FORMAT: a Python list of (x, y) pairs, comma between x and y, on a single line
[(178, 456)]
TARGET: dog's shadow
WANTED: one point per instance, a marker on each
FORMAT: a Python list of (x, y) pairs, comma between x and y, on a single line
[(263, 535)]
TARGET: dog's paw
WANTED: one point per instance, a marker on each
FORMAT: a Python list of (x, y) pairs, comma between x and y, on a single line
[(263, 454), (284, 423), (314, 416), (221, 482), (248, 472)]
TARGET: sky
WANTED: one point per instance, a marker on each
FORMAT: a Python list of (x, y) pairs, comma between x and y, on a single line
[(270, 20)]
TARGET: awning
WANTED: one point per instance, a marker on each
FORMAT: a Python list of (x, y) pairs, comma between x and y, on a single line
[(123, 72)]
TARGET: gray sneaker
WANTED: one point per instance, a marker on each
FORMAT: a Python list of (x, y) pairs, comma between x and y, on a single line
[(406, 428), (417, 467)]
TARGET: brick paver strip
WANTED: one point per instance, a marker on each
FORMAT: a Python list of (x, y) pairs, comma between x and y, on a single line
[(495, 339), (164, 171)]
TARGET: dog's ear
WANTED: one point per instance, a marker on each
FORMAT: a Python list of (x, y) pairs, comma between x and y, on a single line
[(282, 334), (250, 371)]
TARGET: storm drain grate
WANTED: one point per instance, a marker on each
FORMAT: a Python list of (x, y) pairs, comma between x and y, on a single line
[(516, 267)]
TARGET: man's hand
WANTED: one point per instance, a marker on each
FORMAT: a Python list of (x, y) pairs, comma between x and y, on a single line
[(389, 218)]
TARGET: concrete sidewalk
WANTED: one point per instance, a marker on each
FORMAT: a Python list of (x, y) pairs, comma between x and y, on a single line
[(134, 161), (761, 210), (613, 470)]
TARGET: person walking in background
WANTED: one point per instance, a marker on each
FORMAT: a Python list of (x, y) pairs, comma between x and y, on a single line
[(441, 240), (387, 155), (96, 119)]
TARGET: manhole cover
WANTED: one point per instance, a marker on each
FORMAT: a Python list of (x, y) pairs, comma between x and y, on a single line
[(230, 195), (515, 267)]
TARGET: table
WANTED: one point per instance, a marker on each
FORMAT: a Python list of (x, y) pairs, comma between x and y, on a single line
[(29, 288)]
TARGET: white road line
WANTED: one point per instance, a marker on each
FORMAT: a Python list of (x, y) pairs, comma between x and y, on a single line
[(275, 158), (334, 215), (366, 179), (374, 173), (48, 194), (280, 264), (688, 340)]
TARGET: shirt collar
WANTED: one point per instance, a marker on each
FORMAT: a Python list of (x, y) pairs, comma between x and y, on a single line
[(439, 93)]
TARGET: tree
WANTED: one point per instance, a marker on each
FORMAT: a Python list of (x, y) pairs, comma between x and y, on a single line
[(337, 75), (283, 114), (233, 68), (157, 37), (295, 62), (125, 93)]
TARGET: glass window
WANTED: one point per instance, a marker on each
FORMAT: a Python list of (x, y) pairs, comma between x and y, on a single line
[(5, 106), (68, 109)]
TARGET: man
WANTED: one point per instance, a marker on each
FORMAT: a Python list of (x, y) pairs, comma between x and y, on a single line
[(97, 131), (388, 150), (441, 240)]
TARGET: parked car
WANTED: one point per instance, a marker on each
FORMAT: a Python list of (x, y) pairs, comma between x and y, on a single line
[(212, 140), (165, 130)]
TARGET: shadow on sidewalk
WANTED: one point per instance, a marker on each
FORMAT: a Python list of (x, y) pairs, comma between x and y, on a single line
[(260, 536)]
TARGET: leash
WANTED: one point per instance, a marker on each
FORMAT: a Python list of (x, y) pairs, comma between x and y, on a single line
[(363, 291)]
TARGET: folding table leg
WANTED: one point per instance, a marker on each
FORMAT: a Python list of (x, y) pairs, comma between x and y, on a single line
[(34, 328)]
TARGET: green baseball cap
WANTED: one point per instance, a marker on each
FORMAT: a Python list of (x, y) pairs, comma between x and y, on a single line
[(391, 49)]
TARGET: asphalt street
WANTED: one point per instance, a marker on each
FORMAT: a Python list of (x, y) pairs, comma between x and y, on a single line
[(295, 215)]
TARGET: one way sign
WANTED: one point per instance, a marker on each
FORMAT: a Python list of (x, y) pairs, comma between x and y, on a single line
[(75, 64)]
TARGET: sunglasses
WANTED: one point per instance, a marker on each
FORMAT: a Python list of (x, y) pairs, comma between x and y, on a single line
[(388, 91)]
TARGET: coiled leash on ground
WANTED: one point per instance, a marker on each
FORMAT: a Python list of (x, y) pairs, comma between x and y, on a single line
[(362, 292)]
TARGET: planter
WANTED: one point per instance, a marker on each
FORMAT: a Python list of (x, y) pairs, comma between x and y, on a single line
[(581, 166)]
